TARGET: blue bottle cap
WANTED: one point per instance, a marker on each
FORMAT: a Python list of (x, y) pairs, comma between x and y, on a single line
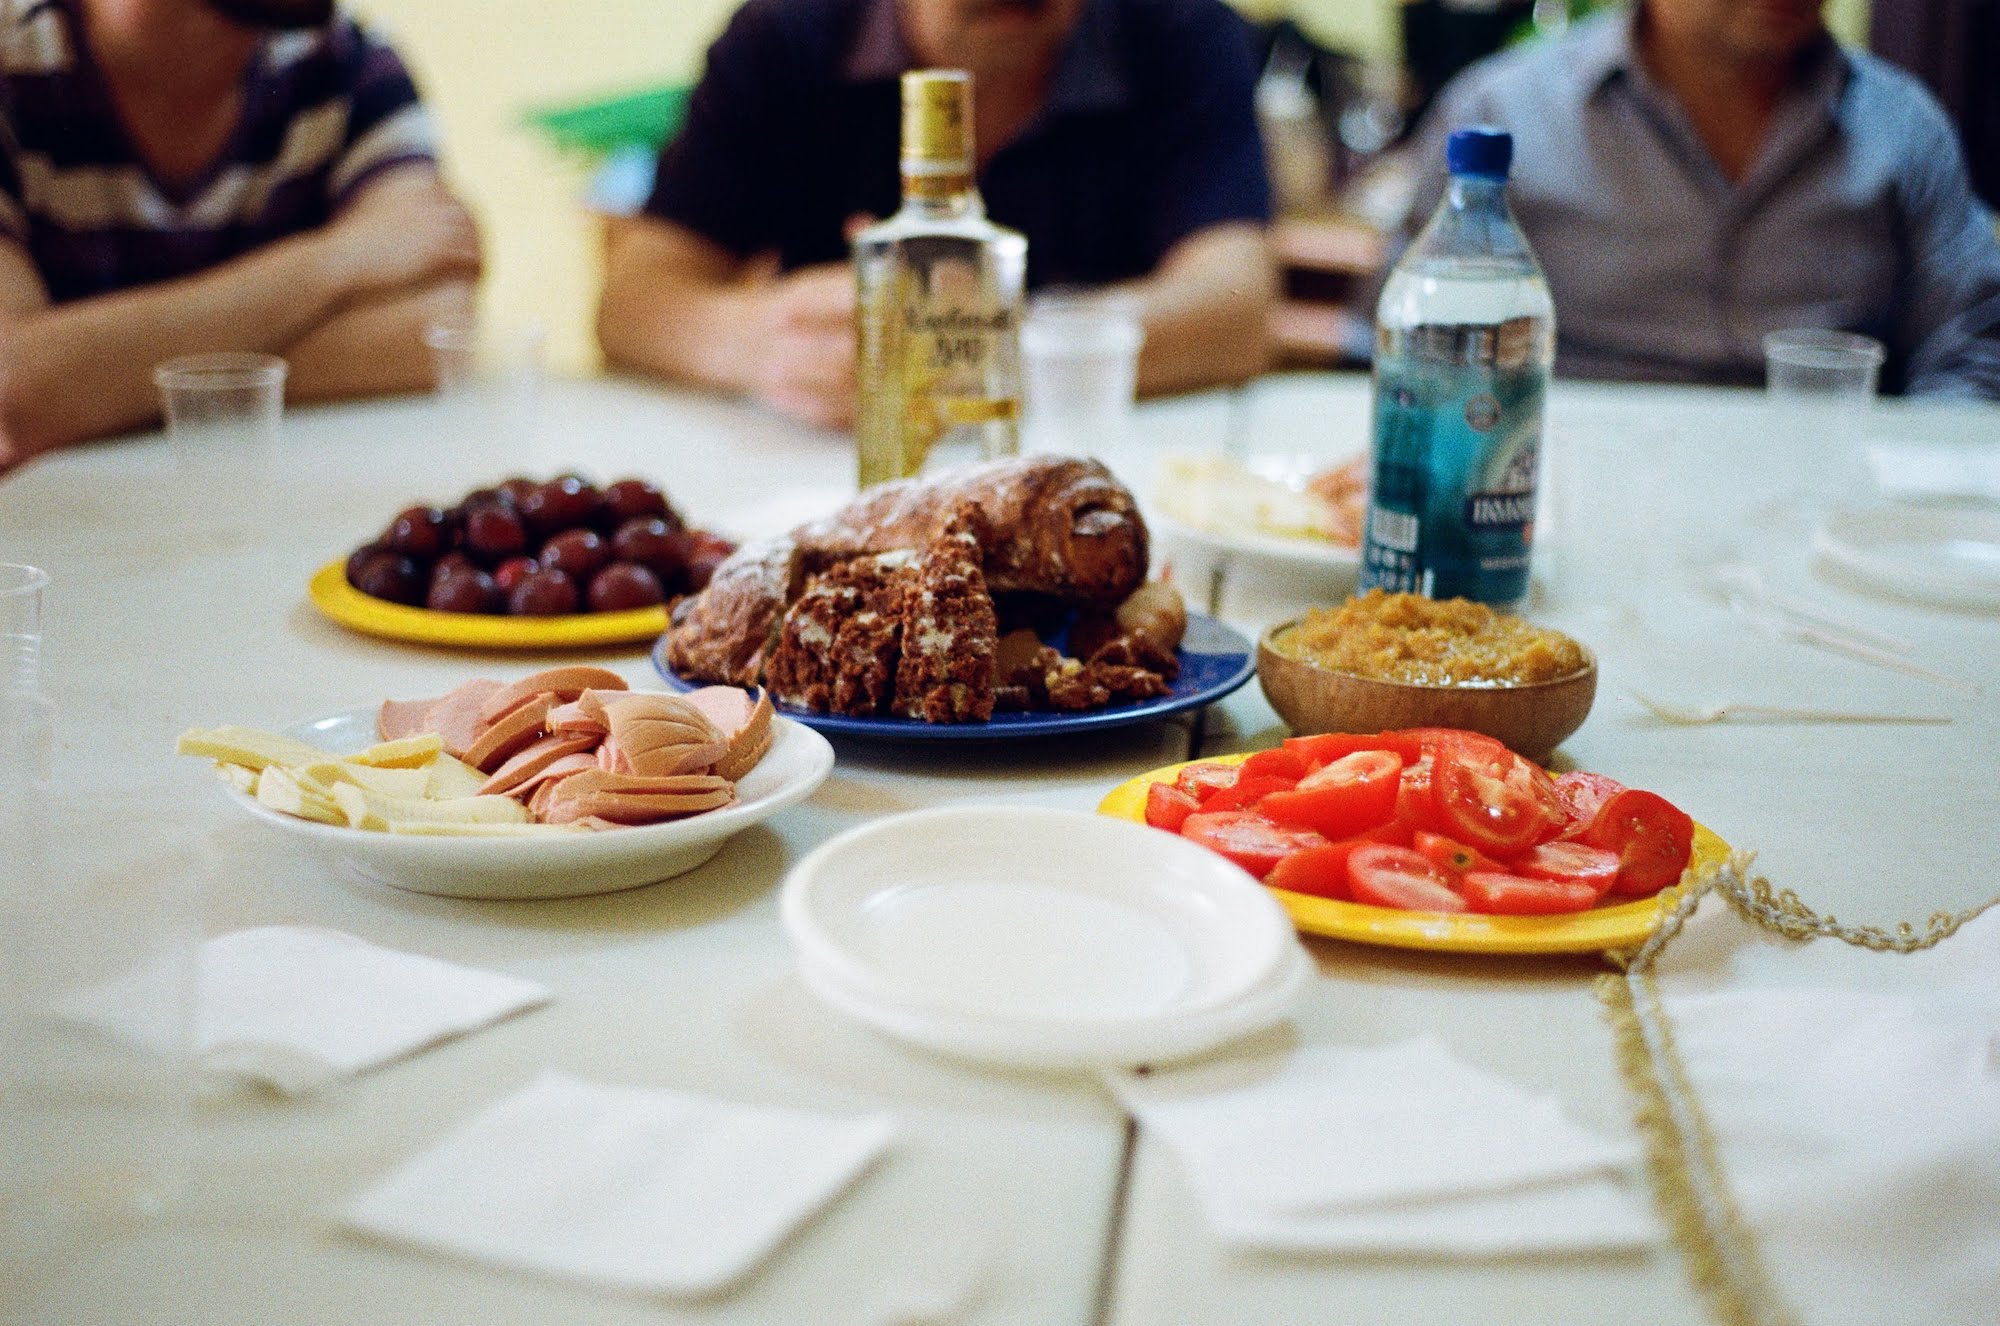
[(1479, 150)]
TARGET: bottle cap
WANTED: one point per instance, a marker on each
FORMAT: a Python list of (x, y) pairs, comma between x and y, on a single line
[(1479, 150), (937, 122)]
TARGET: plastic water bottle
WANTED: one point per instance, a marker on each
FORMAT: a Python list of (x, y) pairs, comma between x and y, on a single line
[(1464, 337)]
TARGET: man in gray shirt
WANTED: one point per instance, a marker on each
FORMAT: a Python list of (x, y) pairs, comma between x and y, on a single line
[(1695, 173)]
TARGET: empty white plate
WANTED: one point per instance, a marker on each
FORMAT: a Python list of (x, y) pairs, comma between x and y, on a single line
[(1039, 937), (1944, 554)]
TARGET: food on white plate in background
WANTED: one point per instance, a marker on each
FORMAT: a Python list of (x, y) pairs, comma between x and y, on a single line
[(539, 548), (1428, 820), (944, 598), (565, 750), (1277, 497)]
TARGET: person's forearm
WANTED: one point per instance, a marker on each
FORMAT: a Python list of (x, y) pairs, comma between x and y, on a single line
[(378, 347), (70, 372), (1207, 312), (687, 331)]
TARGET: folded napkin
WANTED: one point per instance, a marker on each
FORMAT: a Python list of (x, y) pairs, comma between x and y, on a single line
[(1852, 1099), (298, 1008), (1920, 470), (1398, 1149), (634, 1189)]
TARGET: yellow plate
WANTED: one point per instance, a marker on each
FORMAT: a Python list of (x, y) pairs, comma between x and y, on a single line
[(1622, 926), (332, 595)]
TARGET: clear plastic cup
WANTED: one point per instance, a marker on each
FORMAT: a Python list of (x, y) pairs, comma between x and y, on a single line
[(223, 410), (1821, 387), (1807, 361), (1080, 371), (21, 590)]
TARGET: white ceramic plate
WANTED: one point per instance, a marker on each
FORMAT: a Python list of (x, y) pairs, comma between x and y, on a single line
[(1036, 937), (1230, 517), (1944, 554), (568, 866)]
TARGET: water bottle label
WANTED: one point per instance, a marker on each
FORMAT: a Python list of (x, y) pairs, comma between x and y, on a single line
[(1451, 512)]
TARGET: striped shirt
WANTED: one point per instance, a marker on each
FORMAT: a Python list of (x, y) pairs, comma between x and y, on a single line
[(324, 111)]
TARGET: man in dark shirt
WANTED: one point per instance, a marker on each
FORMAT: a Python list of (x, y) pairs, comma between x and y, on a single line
[(1119, 135)]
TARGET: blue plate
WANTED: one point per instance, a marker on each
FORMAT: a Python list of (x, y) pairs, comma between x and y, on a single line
[(1215, 660)]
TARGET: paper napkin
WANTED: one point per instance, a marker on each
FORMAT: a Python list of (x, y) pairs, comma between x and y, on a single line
[(297, 1008), (629, 1188), (1398, 1149), (1919, 470)]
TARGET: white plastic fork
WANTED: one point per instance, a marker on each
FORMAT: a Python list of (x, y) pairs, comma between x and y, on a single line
[(1695, 716)]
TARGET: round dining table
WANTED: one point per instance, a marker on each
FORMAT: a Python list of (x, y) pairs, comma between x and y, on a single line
[(178, 599)]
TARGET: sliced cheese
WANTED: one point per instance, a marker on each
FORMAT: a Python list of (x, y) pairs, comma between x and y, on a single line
[(279, 789), (403, 753), (388, 781), (453, 777), (248, 747)]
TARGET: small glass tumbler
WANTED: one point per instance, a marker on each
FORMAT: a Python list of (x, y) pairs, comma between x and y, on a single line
[(1821, 387), (1080, 371), (223, 412)]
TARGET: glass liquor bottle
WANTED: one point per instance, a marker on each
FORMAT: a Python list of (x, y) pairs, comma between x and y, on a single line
[(939, 299)]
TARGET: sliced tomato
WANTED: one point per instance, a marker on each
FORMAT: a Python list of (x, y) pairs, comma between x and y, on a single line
[(1319, 871), (1450, 855), (1416, 806), (1575, 862), (1397, 877), (1506, 894), (1167, 806), (1498, 803), (1245, 792), (1653, 839), (1453, 739), (1326, 747), (1582, 794), (1355, 793), (1248, 839), (1277, 762), (1199, 780)]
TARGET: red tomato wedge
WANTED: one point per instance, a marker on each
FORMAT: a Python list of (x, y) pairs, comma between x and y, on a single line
[(1248, 839), (1582, 794), (1451, 856), (1326, 747), (1167, 807), (1503, 894), (1355, 793), (1653, 839), (1500, 804), (1199, 780), (1389, 876), (1574, 862), (1320, 871), (1278, 762), (1245, 792)]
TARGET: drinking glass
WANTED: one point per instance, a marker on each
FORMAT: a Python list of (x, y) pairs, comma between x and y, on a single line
[(1821, 388), (1080, 371), (96, 988), (223, 412)]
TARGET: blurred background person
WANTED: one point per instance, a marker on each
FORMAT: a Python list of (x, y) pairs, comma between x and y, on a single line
[(1695, 173), (1119, 135), (193, 175)]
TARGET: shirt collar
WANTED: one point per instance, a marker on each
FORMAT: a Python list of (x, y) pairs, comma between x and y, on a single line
[(1090, 75), (1607, 47)]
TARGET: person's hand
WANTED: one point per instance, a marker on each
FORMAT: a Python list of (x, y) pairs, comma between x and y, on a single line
[(807, 363), (403, 231)]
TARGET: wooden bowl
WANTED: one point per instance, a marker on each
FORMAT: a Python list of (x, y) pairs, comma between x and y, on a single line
[(1532, 720)]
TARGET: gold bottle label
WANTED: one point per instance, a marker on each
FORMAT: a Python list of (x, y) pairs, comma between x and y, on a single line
[(937, 131)]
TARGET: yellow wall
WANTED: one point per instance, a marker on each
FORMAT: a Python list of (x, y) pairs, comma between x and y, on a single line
[(482, 62)]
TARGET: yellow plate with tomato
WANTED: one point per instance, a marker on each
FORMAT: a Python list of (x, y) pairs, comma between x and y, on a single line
[(345, 604), (1623, 925)]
